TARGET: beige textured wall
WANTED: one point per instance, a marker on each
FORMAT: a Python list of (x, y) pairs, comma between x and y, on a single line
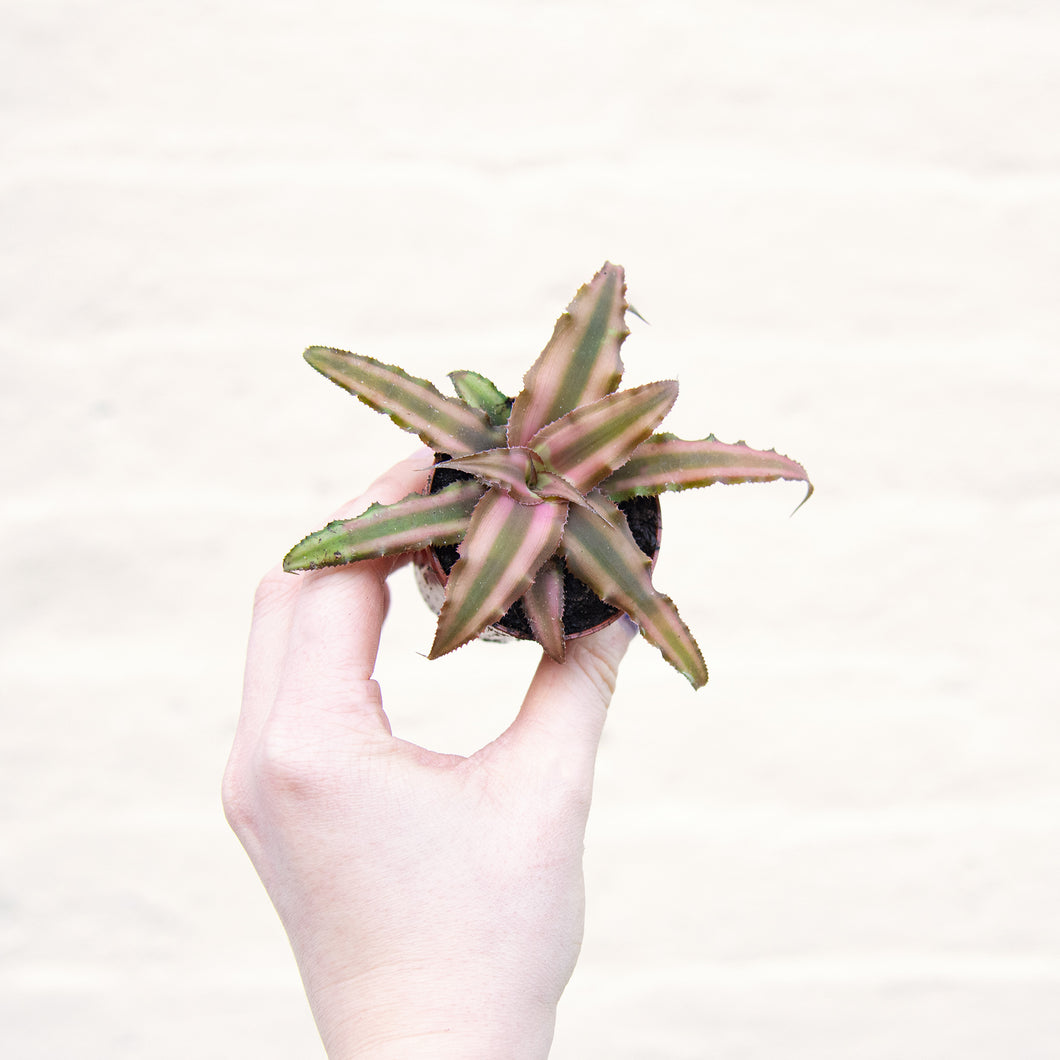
[(842, 221)]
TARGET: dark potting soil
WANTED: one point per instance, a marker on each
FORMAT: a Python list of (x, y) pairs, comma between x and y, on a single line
[(582, 608)]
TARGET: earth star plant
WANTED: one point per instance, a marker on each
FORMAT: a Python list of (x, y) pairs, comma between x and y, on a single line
[(543, 475)]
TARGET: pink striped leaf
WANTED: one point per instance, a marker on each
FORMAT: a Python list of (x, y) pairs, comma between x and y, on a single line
[(447, 425), (390, 529), (666, 462), (581, 361), (600, 550), (512, 470), (587, 444), (505, 546), (543, 604)]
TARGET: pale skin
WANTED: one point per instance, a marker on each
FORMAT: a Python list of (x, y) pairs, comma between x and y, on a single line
[(434, 903)]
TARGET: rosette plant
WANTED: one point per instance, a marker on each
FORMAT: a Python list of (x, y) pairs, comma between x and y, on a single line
[(535, 483)]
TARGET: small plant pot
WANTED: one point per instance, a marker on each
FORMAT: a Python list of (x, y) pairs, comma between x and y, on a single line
[(583, 611)]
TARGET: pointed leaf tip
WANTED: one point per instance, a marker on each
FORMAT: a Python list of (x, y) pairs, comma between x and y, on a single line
[(809, 494), (666, 462), (581, 361), (479, 392), (543, 607), (412, 523), (601, 551)]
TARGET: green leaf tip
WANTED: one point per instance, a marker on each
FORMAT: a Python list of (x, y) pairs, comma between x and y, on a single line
[(478, 392), (412, 523)]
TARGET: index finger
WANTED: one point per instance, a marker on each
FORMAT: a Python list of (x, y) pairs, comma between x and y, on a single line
[(336, 615)]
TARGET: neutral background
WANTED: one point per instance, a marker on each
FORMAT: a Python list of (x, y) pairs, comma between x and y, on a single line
[(843, 222)]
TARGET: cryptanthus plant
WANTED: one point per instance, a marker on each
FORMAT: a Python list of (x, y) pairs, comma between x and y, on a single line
[(538, 480)]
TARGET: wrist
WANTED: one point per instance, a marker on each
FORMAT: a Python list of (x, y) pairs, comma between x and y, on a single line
[(434, 1022), (449, 1044), (441, 1040)]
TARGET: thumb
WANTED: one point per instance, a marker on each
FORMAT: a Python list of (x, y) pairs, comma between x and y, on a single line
[(566, 704)]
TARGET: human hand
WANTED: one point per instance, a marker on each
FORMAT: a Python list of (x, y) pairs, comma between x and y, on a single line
[(434, 903)]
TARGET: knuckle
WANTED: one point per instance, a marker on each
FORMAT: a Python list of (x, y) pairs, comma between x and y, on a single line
[(236, 801), (285, 762), (273, 587)]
